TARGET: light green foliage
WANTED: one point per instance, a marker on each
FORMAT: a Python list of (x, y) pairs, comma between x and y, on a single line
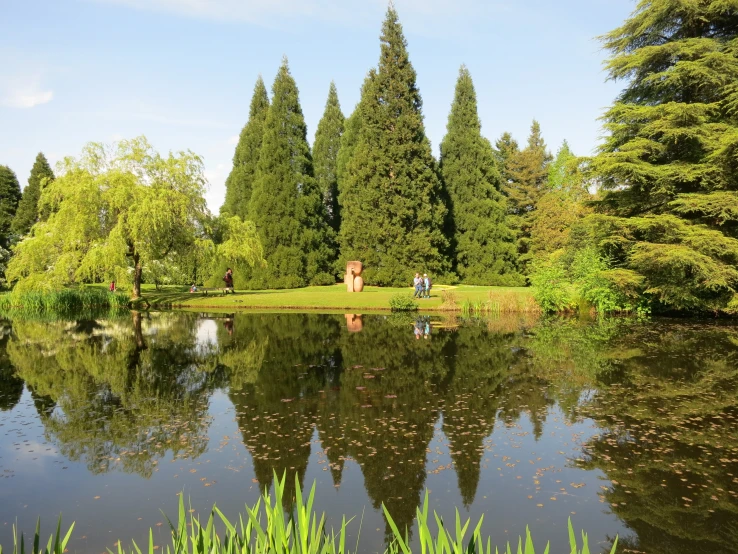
[(286, 205), (562, 206), (668, 167), (28, 213), (240, 181), (483, 246), (268, 528), (392, 209), (553, 290), (62, 301), (325, 156), (10, 195), (453, 540), (589, 274), (526, 173), (112, 212), (584, 278), (402, 302)]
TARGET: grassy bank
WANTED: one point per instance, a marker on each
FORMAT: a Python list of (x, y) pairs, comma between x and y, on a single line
[(269, 528), (443, 298)]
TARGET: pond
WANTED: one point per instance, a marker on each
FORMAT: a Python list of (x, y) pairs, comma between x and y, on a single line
[(630, 428)]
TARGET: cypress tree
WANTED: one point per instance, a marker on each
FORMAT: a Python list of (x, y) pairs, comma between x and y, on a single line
[(392, 210), (27, 213), (482, 243), (668, 167), (10, 195), (528, 178), (239, 183), (286, 204), (325, 156)]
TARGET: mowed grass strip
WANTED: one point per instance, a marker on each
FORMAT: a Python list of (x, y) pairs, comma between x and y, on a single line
[(329, 297)]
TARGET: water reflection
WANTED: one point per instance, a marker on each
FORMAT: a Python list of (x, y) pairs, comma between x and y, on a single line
[(509, 406)]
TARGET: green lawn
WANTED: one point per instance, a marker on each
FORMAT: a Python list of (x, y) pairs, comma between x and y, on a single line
[(331, 297)]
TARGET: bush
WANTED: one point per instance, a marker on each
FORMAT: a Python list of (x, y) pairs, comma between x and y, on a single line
[(402, 302), (553, 292)]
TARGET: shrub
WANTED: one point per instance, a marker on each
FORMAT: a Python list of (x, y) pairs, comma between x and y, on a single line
[(402, 302), (450, 300), (553, 292)]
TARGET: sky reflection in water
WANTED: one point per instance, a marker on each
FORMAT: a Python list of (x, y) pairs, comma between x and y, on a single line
[(628, 427)]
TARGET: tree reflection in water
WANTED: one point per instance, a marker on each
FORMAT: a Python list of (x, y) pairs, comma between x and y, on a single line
[(122, 393)]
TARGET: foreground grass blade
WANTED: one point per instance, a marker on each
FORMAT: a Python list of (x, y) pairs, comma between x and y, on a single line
[(280, 524)]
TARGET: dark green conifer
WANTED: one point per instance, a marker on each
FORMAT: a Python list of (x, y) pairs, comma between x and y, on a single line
[(10, 195), (27, 213), (392, 213), (325, 156), (483, 245), (668, 166), (505, 148), (527, 181), (239, 183), (286, 205)]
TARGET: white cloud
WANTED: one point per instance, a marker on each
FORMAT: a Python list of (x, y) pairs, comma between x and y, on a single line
[(24, 92), (233, 140)]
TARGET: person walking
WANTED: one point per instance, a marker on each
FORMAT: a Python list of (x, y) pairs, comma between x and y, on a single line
[(426, 285), (418, 284), (228, 279)]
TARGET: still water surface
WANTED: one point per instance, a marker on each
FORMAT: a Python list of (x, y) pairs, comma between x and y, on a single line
[(629, 428)]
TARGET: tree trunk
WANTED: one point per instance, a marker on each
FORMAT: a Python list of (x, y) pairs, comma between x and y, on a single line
[(136, 276)]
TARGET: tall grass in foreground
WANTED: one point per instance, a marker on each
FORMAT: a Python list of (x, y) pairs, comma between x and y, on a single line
[(61, 301), (268, 529)]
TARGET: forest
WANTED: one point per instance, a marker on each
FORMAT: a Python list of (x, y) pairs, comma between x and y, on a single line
[(647, 224)]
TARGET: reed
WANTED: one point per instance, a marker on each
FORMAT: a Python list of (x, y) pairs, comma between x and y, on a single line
[(61, 301), (267, 528)]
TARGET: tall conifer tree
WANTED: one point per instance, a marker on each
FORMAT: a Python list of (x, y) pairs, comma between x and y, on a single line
[(325, 155), (392, 208), (27, 213), (528, 178), (286, 204), (482, 243), (10, 195), (240, 181), (505, 149), (669, 165)]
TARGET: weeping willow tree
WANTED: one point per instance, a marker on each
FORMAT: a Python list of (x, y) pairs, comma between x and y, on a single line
[(114, 211), (669, 167)]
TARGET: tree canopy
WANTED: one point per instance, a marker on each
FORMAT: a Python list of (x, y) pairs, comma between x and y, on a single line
[(527, 176), (111, 212), (240, 181), (286, 204), (27, 213), (10, 195), (393, 212), (483, 245), (325, 156), (668, 166)]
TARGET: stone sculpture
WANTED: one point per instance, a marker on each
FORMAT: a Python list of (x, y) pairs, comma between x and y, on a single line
[(354, 281)]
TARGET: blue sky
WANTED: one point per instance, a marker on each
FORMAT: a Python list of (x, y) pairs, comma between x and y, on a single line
[(182, 72)]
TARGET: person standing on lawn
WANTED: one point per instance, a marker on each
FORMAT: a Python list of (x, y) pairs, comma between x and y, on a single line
[(228, 278), (418, 284), (426, 285)]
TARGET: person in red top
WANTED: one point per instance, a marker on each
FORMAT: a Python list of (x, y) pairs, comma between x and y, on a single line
[(228, 278)]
